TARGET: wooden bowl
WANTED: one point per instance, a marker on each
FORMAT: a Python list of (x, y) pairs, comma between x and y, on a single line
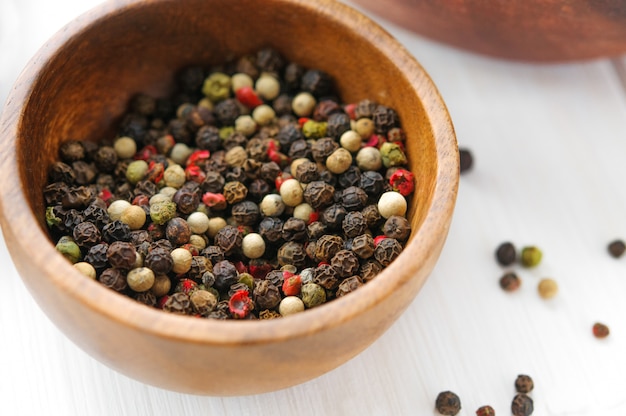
[(79, 84), (523, 30)]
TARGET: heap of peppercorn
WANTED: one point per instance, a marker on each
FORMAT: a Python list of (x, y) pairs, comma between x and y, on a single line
[(252, 192)]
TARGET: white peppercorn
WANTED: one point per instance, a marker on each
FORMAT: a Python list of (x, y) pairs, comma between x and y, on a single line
[(339, 161), (174, 176), (351, 141), (86, 269), (180, 153), (182, 260), (168, 191), (253, 246), (140, 279), (240, 80), (125, 147), (291, 192), (369, 158), (392, 203), (245, 125), (303, 211), (290, 305), (267, 86), (303, 104), (197, 241), (162, 285), (365, 127), (263, 114), (215, 224), (272, 205), (116, 208), (159, 199), (198, 222), (134, 216), (236, 157)]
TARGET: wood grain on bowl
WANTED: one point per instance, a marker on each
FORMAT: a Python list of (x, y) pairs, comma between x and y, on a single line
[(77, 87), (524, 30)]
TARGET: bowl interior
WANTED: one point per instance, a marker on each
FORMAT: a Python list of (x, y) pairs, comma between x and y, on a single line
[(78, 86)]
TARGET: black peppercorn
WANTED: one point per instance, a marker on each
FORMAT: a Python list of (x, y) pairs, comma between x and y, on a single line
[(317, 82), (351, 177), (372, 216), (178, 303), (353, 198), (338, 124), (71, 151), (177, 231), (246, 213), (299, 149), (227, 111), (506, 254), (214, 183), (116, 231), (266, 295), (372, 183), (524, 384), (306, 172), (448, 403), (354, 224), (147, 298), (269, 60), (466, 160), (316, 229), (271, 228), (229, 239), (186, 200), (159, 260), (122, 255), (365, 109), (199, 266), (213, 253), (616, 248), (235, 192), (292, 253), (76, 197), (294, 229), (522, 405), (333, 216), (53, 193), (322, 148), (327, 246), (345, 263), (384, 119), (326, 276), (97, 256), (190, 78), (225, 274), (387, 250), (86, 234), (106, 159), (348, 285), (288, 134), (113, 279), (369, 270), (397, 227), (61, 172), (318, 194)]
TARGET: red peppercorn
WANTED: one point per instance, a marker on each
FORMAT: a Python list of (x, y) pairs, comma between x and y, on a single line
[(241, 267), (155, 171), (145, 153), (379, 239), (350, 111), (194, 173), (105, 195), (198, 156), (211, 200), (485, 411), (280, 179), (186, 286), (314, 216), (161, 301), (248, 97), (291, 284), (260, 269), (141, 200), (302, 120), (240, 304), (402, 181), (600, 330)]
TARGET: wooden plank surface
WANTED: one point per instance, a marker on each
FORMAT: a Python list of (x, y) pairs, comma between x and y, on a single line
[(549, 143)]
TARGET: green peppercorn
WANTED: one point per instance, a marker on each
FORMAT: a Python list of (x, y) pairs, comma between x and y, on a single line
[(314, 129), (69, 249), (217, 87), (162, 212), (392, 155), (312, 295), (530, 256), (136, 171)]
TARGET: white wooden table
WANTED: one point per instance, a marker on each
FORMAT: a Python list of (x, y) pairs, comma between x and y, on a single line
[(550, 146)]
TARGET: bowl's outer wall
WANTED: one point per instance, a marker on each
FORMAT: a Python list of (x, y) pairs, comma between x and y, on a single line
[(522, 30), (78, 86)]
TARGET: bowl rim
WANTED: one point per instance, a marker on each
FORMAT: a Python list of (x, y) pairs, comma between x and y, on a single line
[(128, 312)]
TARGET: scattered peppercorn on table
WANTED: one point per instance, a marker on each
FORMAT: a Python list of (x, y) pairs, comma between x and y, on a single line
[(547, 145)]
